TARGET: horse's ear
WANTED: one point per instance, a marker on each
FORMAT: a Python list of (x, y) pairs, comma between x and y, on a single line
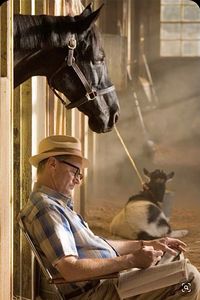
[(85, 23), (146, 172), (170, 176), (87, 11), (89, 20)]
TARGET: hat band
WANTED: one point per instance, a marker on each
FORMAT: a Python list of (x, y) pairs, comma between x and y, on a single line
[(61, 150)]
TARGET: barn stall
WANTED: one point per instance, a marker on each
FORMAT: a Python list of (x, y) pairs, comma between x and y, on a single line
[(152, 49)]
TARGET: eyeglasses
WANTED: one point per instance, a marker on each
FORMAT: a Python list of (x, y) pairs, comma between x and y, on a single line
[(77, 173)]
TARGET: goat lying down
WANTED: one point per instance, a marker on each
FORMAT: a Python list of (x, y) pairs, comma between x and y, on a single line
[(142, 216)]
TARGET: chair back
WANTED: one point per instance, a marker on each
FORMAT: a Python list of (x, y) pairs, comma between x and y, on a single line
[(45, 271), (49, 277)]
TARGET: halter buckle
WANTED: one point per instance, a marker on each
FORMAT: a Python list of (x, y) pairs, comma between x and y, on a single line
[(72, 43), (91, 96)]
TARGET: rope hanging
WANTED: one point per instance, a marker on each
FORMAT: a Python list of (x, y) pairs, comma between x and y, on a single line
[(129, 156)]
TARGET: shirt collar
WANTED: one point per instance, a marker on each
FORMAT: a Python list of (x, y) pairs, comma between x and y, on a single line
[(54, 195)]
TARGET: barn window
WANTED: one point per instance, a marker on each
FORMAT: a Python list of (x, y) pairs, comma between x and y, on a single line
[(180, 28)]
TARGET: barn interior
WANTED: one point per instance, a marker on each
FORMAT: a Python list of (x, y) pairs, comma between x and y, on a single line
[(152, 50)]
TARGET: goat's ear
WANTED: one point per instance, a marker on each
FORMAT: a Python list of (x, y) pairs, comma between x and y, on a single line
[(170, 176), (146, 172)]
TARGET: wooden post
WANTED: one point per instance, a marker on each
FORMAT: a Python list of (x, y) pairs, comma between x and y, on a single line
[(6, 160), (22, 175)]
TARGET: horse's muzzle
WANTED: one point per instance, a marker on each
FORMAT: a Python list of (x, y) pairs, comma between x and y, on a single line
[(103, 123)]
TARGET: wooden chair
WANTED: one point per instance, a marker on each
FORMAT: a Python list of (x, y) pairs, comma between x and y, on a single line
[(54, 281)]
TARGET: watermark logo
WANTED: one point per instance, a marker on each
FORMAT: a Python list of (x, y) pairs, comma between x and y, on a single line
[(186, 287)]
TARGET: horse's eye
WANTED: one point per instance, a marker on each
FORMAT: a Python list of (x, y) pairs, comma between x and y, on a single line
[(98, 62)]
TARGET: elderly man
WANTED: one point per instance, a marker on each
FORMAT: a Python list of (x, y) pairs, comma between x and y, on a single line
[(70, 248)]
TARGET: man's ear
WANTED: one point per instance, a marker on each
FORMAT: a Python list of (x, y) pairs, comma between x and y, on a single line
[(52, 162)]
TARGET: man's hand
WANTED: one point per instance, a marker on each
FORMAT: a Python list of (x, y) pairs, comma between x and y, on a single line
[(167, 244), (145, 257)]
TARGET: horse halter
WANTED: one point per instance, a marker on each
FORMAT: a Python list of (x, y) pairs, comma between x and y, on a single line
[(90, 93)]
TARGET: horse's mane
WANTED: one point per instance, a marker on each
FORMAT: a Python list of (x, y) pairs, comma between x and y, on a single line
[(42, 31), (34, 32)]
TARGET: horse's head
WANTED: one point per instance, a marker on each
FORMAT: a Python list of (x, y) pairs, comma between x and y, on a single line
[(68, 52), (157, 182), (81, 74)]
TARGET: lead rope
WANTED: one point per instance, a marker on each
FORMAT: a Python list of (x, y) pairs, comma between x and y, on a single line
[(129, 156)]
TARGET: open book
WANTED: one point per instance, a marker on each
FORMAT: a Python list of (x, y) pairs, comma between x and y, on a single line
[(167, 272), (167, 258)]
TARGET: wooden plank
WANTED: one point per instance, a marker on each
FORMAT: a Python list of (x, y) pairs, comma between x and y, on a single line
[(40, 7), (6, 191), (16, 192), (25, 176), (38, 110), (16, 6), (50, 7), (25, 6), (84, 143), (3, 37), (50, 112), (22, 283), (6, 199), (117, 72)]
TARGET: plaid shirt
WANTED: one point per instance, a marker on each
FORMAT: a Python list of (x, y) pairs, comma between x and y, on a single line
[(58, 231)]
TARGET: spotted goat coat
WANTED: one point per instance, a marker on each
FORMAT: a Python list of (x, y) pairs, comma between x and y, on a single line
[(142, 216)]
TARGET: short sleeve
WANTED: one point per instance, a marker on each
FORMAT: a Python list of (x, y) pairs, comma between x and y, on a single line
[(53, 234)]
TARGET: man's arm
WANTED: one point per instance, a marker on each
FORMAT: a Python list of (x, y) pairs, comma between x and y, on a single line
[(125, 246), (75, 269)]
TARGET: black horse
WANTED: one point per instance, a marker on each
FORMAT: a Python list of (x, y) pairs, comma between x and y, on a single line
[(67, 50)]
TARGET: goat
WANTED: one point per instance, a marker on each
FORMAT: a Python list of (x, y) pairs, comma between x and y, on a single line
[(142, 217)]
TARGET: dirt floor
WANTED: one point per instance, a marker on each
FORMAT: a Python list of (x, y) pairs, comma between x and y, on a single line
[(99, 219)]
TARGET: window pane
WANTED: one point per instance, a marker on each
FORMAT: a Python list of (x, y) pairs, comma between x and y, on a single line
[(170, 1), (180, 28), (170, 13), (170, 48), (191, 31), (191, 13), (170, 31), (191, 48)]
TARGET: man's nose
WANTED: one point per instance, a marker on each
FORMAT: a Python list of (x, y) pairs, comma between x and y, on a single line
[(76, 180)]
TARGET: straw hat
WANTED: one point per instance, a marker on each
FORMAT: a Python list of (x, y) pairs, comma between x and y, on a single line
[(58, 145)]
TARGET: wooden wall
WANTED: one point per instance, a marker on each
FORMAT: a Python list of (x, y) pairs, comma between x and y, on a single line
[(28, 114), (37, 113)]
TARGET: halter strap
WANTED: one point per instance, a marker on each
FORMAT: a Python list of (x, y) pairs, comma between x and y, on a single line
[(91, 93), (90, 96)]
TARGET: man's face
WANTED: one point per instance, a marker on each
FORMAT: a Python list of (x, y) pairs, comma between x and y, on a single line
[(67, 173)]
